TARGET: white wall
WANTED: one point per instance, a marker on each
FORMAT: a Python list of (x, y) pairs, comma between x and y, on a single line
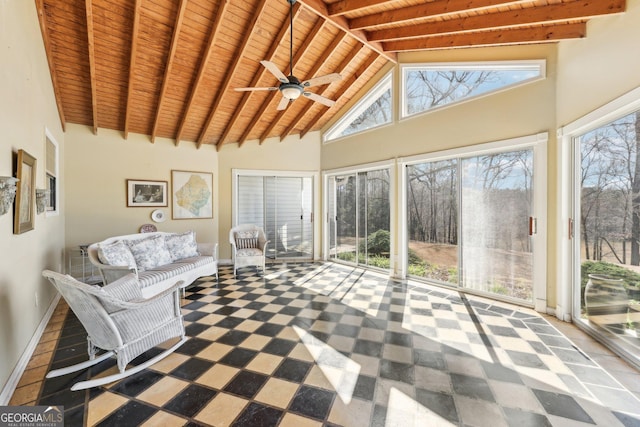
[(97, 169), (27, 106)]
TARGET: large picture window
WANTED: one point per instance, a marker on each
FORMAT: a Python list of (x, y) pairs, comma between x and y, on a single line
[(428, 86), (373, 110)]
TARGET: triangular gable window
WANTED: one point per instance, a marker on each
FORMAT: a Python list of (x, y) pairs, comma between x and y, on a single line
[(428, 86), (373, 110)]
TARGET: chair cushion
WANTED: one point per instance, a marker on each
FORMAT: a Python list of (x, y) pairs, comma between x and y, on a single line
[(150, 252), (126, 289), (249, 252), (116, 253), (247, 239), (182, 245)]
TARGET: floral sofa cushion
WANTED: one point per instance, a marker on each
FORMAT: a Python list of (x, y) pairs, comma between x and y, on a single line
[(116, 253), (150, 252), (182, 245)]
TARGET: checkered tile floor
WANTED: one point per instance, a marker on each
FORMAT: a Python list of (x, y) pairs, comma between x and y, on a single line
[(323, 344)]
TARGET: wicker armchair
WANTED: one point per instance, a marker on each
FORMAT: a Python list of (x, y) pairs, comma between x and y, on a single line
[(120, 321), (248, 246)]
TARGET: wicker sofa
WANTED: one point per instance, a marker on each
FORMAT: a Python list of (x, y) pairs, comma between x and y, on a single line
[(158, 259)]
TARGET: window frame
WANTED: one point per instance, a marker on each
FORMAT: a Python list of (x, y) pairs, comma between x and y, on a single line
[(55, 174), (333, 133), (473, 66)]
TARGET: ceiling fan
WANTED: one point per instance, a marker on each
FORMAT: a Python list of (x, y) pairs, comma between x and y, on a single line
[(290, 86)]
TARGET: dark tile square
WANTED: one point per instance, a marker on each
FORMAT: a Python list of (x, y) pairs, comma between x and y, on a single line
[(229, 322), (233, 337), (438, 403), (428, 359), (195, 305), (258, 415), (539, 347), (190, 400), (290, 311), (193, 346), (292, 370), (269, 329), (499, 372), (195, 329), (133, 413), (312, 402), (238, 357), (397, 371), (246, 384), (226, 310), (519, 418), (404, 340), (447, 323), (192, 368), (262, 316), (472, 387), (369, 348), (528, 360), (562, 405), (254, 305), (365, 387), (279, 346), (503, 331), (194, 316), (137, 383)]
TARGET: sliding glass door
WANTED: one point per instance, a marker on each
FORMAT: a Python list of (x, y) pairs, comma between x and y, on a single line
[(607, 232), (283, 206), (470, 221), (358, 217)]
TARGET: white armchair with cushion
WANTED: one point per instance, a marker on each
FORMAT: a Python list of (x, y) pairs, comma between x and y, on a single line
[(120, 321), (248, 246)]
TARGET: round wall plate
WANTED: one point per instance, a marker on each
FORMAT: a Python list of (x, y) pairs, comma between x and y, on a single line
[(158, 215)]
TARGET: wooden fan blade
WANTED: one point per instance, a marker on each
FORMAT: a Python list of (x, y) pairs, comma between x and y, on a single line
[(284, 102), (273, 69), (246, 89), (319, 98), (322, 80)]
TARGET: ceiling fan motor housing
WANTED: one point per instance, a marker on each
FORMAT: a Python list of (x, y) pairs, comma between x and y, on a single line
[(293, 89)]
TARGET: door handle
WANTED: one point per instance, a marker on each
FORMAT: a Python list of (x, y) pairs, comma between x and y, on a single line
[(533, 226)]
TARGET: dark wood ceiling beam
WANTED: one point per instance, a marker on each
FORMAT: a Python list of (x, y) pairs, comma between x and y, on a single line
[(92, 65), (347, 6), (132, 65), (232, 69), (556, 13), (320, 9), (368, 62), (308, 41), (204, 63), (169, 67), (341, 69), (316, 66), (52, 69), (258, 76), (550, 33), (426, 10)]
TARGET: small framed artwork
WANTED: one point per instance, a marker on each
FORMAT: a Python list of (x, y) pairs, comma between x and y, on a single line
[(141, 193), (192, 194), (25, 193)]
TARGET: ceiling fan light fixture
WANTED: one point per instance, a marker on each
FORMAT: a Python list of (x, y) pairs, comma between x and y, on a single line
[(291, 91)]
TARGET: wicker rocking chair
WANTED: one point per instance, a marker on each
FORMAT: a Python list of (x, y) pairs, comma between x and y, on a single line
[(121, 322)]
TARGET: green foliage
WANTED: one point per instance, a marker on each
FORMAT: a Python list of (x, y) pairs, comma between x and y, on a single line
[(378, 243)]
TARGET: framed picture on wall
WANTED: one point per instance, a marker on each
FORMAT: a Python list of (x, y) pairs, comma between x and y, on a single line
[(141, 193), (192, 194), (25, 193)]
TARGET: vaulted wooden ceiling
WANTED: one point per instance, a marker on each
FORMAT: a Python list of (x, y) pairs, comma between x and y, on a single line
[(168, 68)]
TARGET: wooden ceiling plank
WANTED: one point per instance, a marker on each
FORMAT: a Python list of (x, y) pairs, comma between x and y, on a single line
[(92, 64), (169, 67), (340, 69), (215, 32), (346, 6), (284, 28), (308, 41), (233, 68), (320, 8), (132, 65), (548, 14), (371, 59), (427, 10), (52, 69), (550, 33)]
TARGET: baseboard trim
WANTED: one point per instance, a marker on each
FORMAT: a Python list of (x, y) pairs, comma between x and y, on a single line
[(14, 378)]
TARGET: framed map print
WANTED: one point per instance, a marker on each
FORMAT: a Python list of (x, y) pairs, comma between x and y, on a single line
[(192, 194)]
